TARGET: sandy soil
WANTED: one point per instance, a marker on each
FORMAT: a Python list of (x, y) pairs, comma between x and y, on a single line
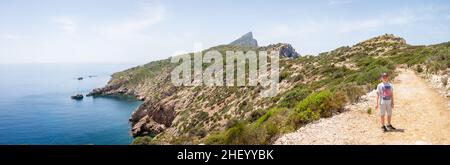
[(421, 116)]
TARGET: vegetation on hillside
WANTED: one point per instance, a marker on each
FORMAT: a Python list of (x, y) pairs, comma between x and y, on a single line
[(337, 86), (312, 87)]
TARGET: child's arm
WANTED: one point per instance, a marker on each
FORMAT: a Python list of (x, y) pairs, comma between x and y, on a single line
[(392, 101)]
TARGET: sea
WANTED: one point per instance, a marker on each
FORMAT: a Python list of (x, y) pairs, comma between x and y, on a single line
[(36, 108)]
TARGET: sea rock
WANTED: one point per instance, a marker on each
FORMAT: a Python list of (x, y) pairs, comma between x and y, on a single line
[(77, 97)]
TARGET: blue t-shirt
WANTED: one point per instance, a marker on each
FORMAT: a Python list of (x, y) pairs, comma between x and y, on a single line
[(385, 91)]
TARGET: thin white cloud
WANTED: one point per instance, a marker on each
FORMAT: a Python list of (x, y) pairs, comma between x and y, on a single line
[(13, 37), (402, 17), (397, 18), (284, 30), (313, 34), (339, 2), (148, 14), (351, 26), (68, 25)]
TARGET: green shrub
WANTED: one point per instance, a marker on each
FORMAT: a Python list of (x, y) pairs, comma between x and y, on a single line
[(200, 132), (234, 134), (298, 77), (316, 105), (309, 109), (369, 111), (299, 118), (434, 67), (352, 91), (265, 132), (333, 104), (231, 123), (284, 75), (241, 133), (313, 101), (255, 115), (419, 69), (216, 138), (142, 140), (294, 96), (266, 116), (371, 76)]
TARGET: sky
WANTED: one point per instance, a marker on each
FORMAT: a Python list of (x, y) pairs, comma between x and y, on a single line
[(140, 31)]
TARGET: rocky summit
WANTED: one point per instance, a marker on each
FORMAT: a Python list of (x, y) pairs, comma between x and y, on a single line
[(245, 40)]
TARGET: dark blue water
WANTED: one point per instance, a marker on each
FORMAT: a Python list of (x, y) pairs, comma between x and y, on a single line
[(35, 105)]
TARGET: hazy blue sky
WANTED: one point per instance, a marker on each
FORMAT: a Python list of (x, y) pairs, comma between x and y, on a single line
[(119, 31)]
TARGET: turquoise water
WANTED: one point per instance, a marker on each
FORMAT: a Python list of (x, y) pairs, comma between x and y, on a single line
[(35, 105)]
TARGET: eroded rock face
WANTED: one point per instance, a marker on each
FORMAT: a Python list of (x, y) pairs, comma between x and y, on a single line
[(147, 126), (110, 89), (286, 50), (152, 118)]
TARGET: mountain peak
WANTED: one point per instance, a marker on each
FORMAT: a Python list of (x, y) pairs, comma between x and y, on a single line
[(246, 40), (386, 38), (375, 46)]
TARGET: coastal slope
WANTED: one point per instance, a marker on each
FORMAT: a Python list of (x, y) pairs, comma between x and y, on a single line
[(311, 87)]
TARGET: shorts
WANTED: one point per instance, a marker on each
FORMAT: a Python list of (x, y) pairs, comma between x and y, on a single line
[(385, 109)]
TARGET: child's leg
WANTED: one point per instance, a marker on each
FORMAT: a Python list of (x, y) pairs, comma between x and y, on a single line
[(389, 113), (382, 113)]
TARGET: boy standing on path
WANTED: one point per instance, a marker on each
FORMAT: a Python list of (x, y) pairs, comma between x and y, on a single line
[(385, 101)]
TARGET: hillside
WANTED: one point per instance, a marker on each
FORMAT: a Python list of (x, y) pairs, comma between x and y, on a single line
[(311, 87), (421, 116)]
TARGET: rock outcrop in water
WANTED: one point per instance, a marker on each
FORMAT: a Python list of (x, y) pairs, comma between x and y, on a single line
[(77, 97)]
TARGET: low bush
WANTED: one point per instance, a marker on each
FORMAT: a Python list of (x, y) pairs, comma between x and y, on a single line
[(352, 91), (369, 111), (142, 140), (255, 115), (284, 75), (266, 116), (291, 98), (316, 105), (419, 69), (241, 133)]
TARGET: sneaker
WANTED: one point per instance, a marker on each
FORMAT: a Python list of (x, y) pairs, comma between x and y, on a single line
[(384, 128), (391, 127)]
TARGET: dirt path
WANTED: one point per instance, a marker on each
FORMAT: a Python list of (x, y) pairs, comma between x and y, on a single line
[(421, 115)]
